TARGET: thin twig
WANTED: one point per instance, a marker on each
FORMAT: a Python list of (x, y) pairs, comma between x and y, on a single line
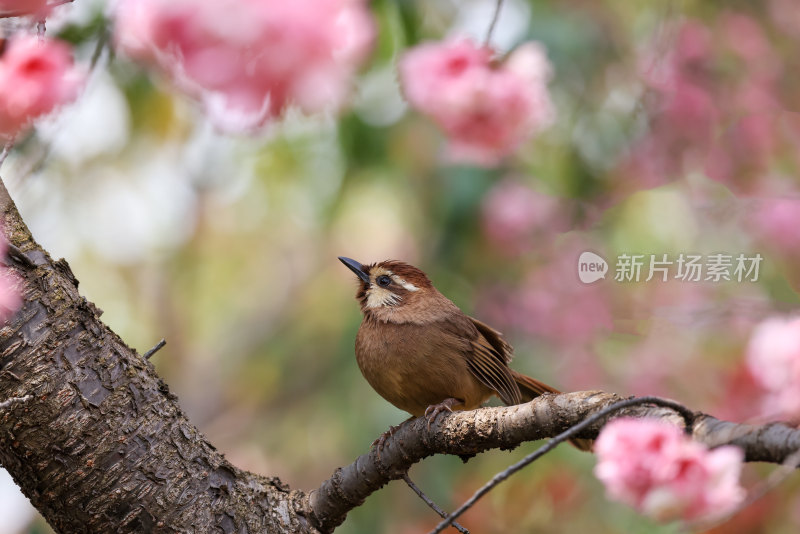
[(102, 40), (155, 349), (14, 400), (687, 415), (492, 24), (6, 150), (432, 504)]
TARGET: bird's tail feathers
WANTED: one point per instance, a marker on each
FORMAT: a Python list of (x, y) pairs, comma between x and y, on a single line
[(530, 388)]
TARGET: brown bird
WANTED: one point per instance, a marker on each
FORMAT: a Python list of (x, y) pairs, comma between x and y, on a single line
[(420, 352)]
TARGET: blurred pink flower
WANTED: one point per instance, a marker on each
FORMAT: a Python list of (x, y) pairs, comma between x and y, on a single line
[(745, 37), (10, 299), (517, 218), (785, 16), (711, 77), (739, 389), (773, 359), (428, 68), (36, 76), (23, 7), (486, 109), (662, 473), (689, 53), (774, 222), (741, 156), (683, 110), (691, 111), (554, 304), (686, 108), (249, 60)]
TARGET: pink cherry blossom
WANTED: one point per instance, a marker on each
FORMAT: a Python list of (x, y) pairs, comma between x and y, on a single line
[(23, 7), (654, 467), (248, 60), (428, 68), (773, 359), (36, 76), (486, 108)]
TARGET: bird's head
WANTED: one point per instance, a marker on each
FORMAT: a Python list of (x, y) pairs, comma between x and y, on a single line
[(393, 290)]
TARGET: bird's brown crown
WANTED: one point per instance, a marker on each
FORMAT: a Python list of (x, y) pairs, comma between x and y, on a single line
[(391, 283)]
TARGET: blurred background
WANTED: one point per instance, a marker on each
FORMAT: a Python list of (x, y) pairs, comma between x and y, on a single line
[(677, 132)]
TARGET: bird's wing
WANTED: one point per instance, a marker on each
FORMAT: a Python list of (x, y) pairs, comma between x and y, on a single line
[(529, 387), (487, 357), (495, 339)]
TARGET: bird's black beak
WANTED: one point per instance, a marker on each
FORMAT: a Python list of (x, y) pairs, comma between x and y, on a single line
[(356, 267)]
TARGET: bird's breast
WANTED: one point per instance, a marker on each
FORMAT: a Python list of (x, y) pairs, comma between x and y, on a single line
[(414, 366)]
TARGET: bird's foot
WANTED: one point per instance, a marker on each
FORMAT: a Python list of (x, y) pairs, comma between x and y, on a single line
[(433, 411), (381, 441)]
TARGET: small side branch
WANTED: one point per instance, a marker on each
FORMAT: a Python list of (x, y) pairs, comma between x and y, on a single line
[(432, 504), (497, 8), (155, 349), (16, 254)]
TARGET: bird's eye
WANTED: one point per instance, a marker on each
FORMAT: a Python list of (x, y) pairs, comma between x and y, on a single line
[(383, 280)]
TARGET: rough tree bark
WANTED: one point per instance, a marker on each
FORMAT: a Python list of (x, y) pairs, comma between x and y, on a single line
[(101, 445), (98, 444)]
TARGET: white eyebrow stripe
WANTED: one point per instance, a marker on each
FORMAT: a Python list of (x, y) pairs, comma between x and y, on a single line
[(408, 286)]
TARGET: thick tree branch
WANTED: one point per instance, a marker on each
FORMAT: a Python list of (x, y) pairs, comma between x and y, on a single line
[(507, 427), (101, 445)]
